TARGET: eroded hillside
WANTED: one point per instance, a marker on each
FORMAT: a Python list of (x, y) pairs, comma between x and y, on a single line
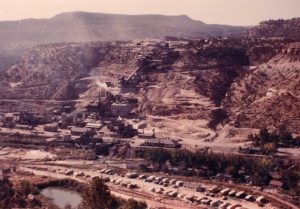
[(187, 87), (50, 72), (268, 95)]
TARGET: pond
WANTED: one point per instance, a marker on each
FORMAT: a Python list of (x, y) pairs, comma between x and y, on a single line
[(61, 197)]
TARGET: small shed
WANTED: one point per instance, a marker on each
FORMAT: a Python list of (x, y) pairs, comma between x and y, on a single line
[(53, 127), (275, 184), (77, 131), (96, 126)]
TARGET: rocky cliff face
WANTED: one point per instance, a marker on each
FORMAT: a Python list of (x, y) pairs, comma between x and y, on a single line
[(201, 81)]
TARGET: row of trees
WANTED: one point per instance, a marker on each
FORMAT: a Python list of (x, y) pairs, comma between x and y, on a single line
[(210, 164), (280, 137)]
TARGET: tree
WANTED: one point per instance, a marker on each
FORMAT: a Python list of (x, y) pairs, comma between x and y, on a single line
[(290, 179), (270, 148), (262, 168), (27, 188), (284, 135), (133, 204), (6, 193), (98, 196), (264, 135), (231, 170), (297, 141)]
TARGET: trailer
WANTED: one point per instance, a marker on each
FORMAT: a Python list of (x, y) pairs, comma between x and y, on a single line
[(240, 194), (225, 191)]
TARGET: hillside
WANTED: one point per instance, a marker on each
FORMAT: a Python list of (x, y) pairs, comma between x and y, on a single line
[(268, 95), (277, 29), (49, 71), (86, 27), (82, 26), (194, 84)]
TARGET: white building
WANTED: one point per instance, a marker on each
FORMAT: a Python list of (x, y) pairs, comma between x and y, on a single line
[(121, 109)]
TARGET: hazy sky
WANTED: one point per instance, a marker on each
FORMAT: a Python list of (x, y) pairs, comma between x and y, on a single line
[(233, 12)]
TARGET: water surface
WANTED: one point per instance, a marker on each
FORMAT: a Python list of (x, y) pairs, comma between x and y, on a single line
[(61, 197)]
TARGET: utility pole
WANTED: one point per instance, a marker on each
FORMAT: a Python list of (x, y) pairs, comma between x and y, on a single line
[(193, 192)]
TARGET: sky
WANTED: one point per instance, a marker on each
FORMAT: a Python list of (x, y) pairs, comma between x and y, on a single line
[(230, 12)]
